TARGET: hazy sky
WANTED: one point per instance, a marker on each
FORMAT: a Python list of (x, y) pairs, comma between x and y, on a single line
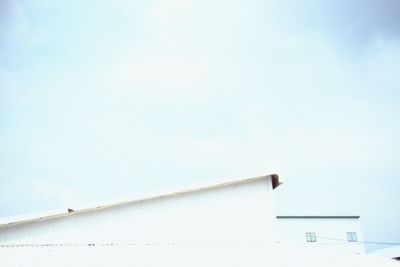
[(101, 99)]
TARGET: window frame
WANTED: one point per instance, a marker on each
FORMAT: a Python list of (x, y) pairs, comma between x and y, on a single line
[(352, 237), (311, 237)]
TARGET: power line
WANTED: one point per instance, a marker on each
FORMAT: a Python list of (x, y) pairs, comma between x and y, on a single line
[(364, 242)]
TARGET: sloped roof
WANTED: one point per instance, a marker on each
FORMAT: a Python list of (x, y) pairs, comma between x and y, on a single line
[(10, 221)]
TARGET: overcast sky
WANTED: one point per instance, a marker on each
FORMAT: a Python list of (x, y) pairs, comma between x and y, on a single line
[(102, 99)]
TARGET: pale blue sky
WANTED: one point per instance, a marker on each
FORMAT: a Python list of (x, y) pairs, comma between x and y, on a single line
[(100, 99)]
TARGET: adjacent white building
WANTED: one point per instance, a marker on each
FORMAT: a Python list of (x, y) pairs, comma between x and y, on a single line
[(334, 233)]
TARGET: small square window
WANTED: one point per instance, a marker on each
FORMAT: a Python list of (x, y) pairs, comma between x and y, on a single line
[(351, 236), (311, 237)]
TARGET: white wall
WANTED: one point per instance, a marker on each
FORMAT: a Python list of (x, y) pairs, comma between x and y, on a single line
[(241, 213), (330, 233)]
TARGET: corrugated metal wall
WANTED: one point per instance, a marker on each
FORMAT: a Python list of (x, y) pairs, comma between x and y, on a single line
[(237, 213)]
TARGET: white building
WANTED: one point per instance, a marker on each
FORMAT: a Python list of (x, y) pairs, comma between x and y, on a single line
[(229, 223), (236, 211), (334, 233)]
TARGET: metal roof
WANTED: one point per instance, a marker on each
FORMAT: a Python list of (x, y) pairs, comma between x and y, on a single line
[(4, 222)]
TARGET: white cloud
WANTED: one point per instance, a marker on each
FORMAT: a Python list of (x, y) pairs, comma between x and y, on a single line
[(19, 29), (160, 72), (196, 90)]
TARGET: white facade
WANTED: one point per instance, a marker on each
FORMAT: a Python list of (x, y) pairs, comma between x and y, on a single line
[(240, 211), (334, 233)]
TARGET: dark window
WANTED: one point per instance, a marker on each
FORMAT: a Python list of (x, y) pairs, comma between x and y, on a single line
[(311, 237), (351, 236)]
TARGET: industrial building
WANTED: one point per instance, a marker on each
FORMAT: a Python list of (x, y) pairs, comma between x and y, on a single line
[(226, 223), (213, 213)]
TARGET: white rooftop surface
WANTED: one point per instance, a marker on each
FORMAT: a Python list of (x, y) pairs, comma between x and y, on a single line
[(209, 255), (391, 252)]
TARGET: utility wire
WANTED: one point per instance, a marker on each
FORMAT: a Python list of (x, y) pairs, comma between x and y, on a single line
[(364, 242)]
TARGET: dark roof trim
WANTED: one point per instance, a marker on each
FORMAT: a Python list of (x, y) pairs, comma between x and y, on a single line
[(275, 181), (317, 217)]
